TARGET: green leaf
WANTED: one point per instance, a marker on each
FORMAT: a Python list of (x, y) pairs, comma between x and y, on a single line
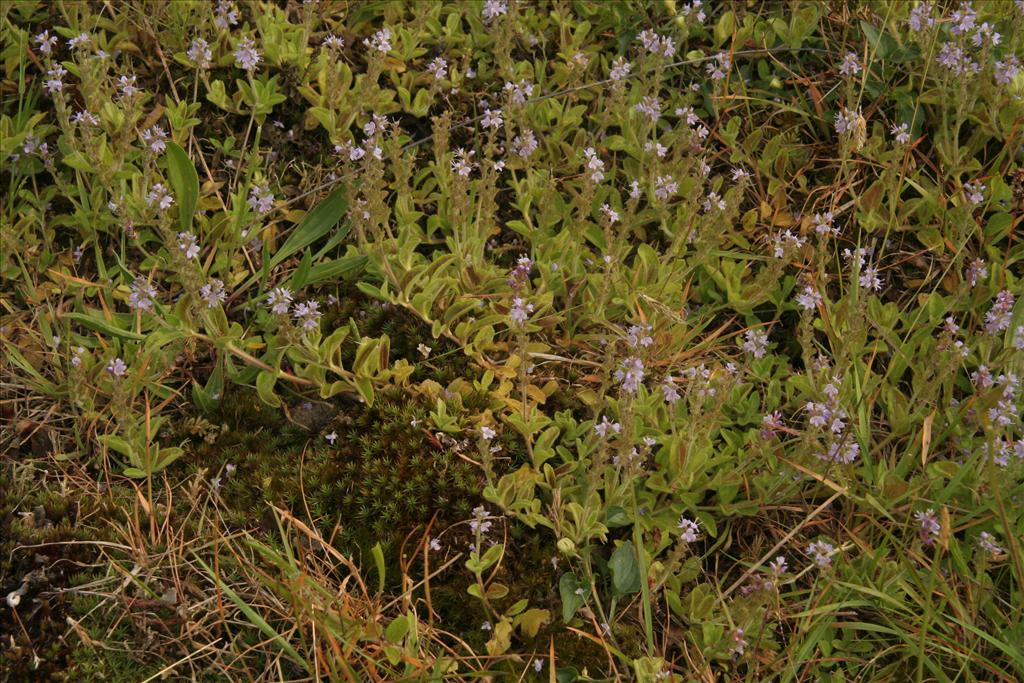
[(378, 560), (98, 325), (625, 571), (571, 600), (317, 223), (185, 182), (397, 629), (265, 388)]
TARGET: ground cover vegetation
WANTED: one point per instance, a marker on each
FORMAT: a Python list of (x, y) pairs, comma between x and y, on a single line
[(511, 340)]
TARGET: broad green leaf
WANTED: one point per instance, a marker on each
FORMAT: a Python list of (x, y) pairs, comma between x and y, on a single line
[(317, 223), (97, 325), (184, 181), (625, 570)]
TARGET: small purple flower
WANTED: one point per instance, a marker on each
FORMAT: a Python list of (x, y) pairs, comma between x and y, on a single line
[(54, 79), (142, 295), (669, 391), (520, 312), (851, 65), (127, 85), (307, 313), (986, 542), (756, 342), (809, 299), (438, 68), (188, 244), (246, 55), (45, 42), (778, 566), (594, 165), (620, 69), (380, 41), (689, 532), (770, 424), (976, 271), (821, 552), (631, 374), (524, 145), (493, 9), (156, 138), (200, 54), (213, 293), (492, 119), (332, 437), (279, 300), (117, 367), (159, 196), (606, 427), (261, 199), (929, 526), (998, 317), (665, 187), (869, 279), (901, 133), (975, 192)]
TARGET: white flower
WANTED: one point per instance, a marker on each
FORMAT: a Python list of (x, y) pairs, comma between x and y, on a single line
[(901, 133), (492, 119), (188, 245), (159, 196), (213, 293), (127, 85), (605, 427), (594, 165), (380, 41), (611, 214), (332, 437), (279, 300)]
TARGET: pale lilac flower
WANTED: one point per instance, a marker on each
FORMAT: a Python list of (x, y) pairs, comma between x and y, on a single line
[(975, 192), (519, 276), (117, 367), (334, 42), (226, 15), (229, 469), (492, 119), (54, 79), (665, 187), (963, 19), (901, 133), (486, 626), (1018, 338), (159, 196), (869, 279), (246, 55), (594, 165), (462, 162), (986, 542), (213, 293), (986, 33), (279, 300), (142, 295), (1007, 69), (85, 118), (778, 566), (639, 335), (188, 245), (538, 665), (631, 374), (520, 312), (480, 521), (307, 313), (435, 545), (785, 241), (519, 92), (821, 552), (669, 391), (524, 145), (45, 42), (929, 526), (127, 85), (620, 69), (634, 190), (851, 64), (958, 62), (770, 424), (438, 68), (846, 453), (976, 271), (998, 317), (261, 199), (611, 214), (921, 17), (332, 437), (713, 202), (689, 532), (486, 433), (380, 41), (718, 70), (694, 8), (739, 174), (199, 53), (657, 45), (605, 427), (809, 298), (493, 9), (650, 106), (156, 138), (756, 342), (846, 120), (739, 643)]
